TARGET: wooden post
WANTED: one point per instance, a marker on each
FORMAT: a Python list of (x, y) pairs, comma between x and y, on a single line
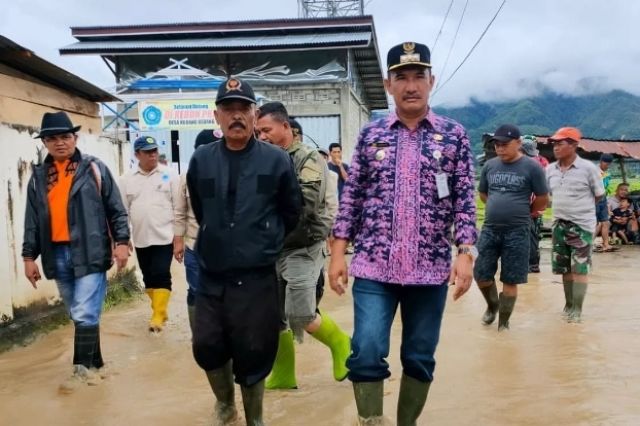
[(623, 172)]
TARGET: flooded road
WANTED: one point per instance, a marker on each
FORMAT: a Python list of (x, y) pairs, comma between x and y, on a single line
[(541, 372)]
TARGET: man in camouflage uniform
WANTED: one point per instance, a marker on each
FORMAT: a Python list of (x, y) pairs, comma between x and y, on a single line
[(576, 187), (302, 257)]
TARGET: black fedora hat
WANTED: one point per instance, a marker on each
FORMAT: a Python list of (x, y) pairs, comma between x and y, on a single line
[(56, 123)]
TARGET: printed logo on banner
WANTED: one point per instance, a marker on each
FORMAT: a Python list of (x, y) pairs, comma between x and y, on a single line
[(152, 115)]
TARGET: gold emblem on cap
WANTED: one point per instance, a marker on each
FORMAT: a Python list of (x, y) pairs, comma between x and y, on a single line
[(409, 56), (150, 140), (408, 47), (233, 85)]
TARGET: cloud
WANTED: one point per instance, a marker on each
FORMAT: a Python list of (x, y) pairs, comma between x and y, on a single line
[(572, 47)]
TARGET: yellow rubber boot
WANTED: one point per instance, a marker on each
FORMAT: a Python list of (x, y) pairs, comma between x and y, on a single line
[(160, 302)]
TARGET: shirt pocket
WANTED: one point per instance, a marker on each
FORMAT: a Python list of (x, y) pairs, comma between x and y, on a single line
[(378, 160), (162, 194)]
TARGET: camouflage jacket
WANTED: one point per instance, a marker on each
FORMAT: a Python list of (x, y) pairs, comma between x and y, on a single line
[(315, 221)]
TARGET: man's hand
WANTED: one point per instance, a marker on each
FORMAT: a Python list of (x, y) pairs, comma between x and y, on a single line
[(178, 248), (338, 275), (461, 275), (32, 272), (121, 255)]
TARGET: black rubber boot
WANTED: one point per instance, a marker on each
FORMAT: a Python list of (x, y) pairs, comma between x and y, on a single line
[(252, 401), (368, 397), (413, 396), (506, 308), (568, 298), (86, 346), (578, 292), (221, 382), (490, 294)]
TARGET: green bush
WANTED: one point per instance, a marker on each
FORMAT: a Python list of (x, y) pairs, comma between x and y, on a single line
[(122, 287)]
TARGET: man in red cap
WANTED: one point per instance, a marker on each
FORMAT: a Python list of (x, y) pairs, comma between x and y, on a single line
[(576, 187)]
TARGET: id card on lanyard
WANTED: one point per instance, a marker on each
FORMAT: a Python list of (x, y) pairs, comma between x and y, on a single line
[(442, 182)]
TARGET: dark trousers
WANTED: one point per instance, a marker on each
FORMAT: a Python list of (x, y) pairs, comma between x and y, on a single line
[(237, 317), (534, 241), (155, 264)]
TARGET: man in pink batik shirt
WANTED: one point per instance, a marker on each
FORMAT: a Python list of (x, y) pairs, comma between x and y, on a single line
[(411, 181)]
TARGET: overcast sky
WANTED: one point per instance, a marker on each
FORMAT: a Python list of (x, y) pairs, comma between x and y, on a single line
[(568, 46)]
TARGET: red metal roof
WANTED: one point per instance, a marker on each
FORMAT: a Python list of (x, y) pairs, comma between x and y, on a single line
[(622, 148)]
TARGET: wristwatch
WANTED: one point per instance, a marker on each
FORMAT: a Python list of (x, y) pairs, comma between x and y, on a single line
[(469, 251)]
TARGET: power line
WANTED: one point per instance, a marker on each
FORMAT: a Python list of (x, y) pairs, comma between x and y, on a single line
[(453, 42), (446, 15), (472, 48)]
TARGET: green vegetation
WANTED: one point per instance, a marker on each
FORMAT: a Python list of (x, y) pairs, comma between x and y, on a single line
[(123, 287), (614, 115)]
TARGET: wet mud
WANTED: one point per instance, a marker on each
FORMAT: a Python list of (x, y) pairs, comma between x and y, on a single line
[(541, 372)]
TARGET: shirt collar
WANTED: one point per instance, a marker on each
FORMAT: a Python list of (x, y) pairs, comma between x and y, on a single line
[(576, 163), (142, 172), (429, 118)]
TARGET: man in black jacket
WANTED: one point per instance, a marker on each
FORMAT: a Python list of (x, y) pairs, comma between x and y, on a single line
[(246, 198), (73, 221)]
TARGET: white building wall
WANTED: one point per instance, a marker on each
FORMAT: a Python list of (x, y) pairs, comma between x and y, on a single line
[(19, 151)]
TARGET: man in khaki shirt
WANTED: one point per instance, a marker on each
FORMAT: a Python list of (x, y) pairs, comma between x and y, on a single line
[(150, 193)]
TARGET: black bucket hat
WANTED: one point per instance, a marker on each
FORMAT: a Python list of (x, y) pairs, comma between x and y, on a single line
[(56, 123)]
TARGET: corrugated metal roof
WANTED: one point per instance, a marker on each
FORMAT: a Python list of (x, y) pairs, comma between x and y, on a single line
[(244, 37), (17, 57), (213, 44), (261, 24)]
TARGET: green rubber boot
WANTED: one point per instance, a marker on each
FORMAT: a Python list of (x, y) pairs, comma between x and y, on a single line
[(413, 395), (252, 401), (578, 292), (568, 298), (490, 294), (368, 397), (506, 308), (283, 373), (338, 341), (221, 382)]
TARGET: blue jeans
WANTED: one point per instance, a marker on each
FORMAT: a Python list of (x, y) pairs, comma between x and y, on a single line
[(375, 305), (192, 269), (82, 296)]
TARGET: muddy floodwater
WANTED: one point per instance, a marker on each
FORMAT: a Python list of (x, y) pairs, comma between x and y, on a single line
[(541, 372)]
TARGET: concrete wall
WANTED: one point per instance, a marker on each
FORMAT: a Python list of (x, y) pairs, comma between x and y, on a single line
[(355, 116), (23, 101), (324, 99), (20, 151)]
